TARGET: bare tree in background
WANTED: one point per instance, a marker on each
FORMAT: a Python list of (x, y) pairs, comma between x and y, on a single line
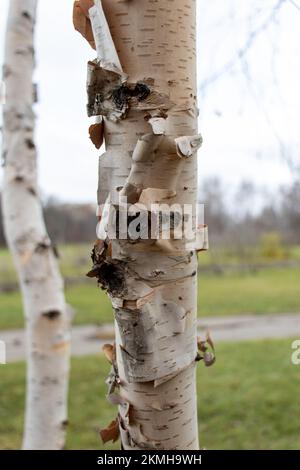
[(252, 26), (47, 316), (144, 84)]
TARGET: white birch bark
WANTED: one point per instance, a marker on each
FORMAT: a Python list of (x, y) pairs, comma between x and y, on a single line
[(150, 132), (47, 316)]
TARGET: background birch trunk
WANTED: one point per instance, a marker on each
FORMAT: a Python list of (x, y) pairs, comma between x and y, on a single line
[(47, 318), (144, 84)]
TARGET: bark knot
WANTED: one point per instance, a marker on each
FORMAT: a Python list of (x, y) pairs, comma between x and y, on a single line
[(122, 94), (110, 275)]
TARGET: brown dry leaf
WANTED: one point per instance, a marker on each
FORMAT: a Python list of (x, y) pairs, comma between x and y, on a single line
[(109, 250), (110, 352), (208, 357), (82, 24), (201, 345), (111, 433), (96, 132), (210, 341), (99, 247), (94, 272)]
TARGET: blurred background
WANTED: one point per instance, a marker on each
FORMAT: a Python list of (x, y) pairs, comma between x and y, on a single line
[(249, 180)]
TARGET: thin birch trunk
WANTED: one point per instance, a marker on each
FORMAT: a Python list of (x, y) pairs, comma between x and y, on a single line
[(144, 84), (47, 316)]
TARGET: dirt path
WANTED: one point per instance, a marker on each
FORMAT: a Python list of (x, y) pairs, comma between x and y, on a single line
[(90, 338)]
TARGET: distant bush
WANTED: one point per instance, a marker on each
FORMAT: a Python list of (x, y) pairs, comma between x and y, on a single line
[(272, 248)]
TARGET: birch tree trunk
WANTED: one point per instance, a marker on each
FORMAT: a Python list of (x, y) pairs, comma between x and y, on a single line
[(143, 84), (47, 317)]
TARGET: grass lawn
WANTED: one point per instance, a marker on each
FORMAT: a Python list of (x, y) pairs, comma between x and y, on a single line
[(267, 291), (247, 400), (75, 259)]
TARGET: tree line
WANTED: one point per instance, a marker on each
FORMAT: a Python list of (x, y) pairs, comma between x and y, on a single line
[(75, 223)]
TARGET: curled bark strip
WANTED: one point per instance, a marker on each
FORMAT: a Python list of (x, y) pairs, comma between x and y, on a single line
[(116, 399), (100, 86), (85, 5), (150, 158), (106, 50), (110, 95), (132, 435), (82, 23), (188, 145), (201, 242), (161, 323), (110, 352), (158, 125)]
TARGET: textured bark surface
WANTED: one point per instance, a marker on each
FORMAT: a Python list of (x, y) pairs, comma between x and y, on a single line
[(148, 100), (47, 316)]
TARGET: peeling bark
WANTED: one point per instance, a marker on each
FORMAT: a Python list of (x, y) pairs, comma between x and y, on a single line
[(47, 316), (147, 95)]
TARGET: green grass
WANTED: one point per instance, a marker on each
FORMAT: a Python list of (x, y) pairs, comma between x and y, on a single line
[(247, 400), (271, 290), (267, 291), (91, 305)]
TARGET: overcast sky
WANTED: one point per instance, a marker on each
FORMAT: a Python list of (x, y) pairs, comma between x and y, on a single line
[(246, 115)]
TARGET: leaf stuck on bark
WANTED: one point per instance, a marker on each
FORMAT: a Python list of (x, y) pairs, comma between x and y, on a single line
[(111, 433), (209, 357), (96, 132)]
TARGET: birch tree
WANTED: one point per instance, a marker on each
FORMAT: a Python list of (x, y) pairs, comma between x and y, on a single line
[(47, 317), (142, 90)]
